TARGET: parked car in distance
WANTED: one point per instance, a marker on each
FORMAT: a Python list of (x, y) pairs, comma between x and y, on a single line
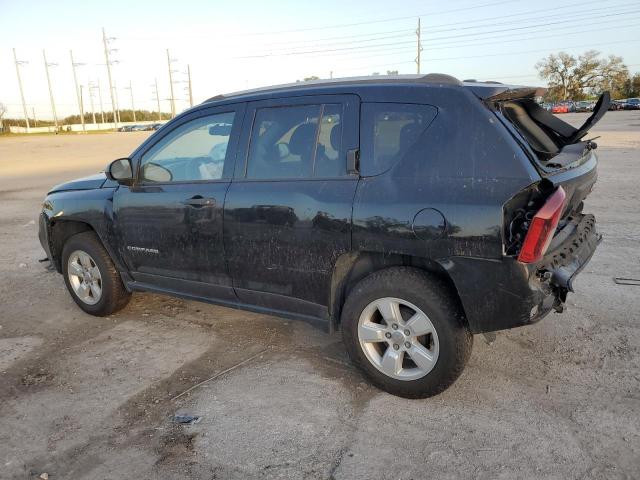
[(560, 108), (125, 128), (632, 104), (616, 105), (584, 106), (389, 209)]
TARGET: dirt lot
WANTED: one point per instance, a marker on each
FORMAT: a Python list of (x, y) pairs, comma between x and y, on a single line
[(91, 398)]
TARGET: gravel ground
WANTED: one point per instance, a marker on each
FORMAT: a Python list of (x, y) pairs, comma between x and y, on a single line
[(91, 398)]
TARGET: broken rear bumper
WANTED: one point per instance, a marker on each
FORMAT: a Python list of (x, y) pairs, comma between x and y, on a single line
[(501, 294), (567, 257)]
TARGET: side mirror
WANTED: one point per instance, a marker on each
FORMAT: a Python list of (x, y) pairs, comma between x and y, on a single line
[(120, 171)]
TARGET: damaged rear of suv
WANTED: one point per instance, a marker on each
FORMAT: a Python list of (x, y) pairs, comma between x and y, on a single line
[(545, 226)]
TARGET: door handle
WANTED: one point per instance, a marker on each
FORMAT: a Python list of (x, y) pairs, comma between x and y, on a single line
[(200, 201)]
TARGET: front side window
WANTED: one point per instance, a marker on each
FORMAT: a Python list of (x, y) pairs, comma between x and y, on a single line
[(195, 151), (299, 141), (388, 131)]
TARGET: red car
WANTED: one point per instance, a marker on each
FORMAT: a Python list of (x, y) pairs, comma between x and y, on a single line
[(560, 108)]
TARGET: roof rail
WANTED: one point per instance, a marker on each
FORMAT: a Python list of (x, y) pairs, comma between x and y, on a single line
[(441, 78), (438, 78)]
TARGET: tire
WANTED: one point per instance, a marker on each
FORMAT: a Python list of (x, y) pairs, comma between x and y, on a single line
[(448, 344), (113, 295)]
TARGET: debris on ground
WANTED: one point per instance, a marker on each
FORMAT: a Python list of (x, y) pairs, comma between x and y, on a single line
[(44, 476), (489, 337), (626, 281), (186, 419)]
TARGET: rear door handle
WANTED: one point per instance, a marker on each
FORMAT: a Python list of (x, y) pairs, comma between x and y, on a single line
[(200, 201)]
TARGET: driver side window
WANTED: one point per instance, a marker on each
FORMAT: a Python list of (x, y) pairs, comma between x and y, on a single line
[(194, 151)]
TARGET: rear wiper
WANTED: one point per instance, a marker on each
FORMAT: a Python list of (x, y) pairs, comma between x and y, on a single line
[(591, 145)]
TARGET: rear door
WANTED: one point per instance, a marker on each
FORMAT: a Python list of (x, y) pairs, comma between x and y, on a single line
[(288, 209), (170, 221)]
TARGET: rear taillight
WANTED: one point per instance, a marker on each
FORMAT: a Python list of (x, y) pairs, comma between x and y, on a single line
[(542, 228)]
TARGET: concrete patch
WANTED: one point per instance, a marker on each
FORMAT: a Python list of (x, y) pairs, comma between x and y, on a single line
[(278, 419), (90, 383), (14, 349)]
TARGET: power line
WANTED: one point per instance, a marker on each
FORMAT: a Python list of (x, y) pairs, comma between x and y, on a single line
[(360, 47), (403, 49), (435, 28), (370, 22)]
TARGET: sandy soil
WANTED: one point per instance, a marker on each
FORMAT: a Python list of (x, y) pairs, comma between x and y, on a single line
[(92, 398)]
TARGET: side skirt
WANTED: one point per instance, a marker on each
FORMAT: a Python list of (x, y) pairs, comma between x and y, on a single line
[(318, 322)]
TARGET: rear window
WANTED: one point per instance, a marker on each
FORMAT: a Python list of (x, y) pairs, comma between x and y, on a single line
[(388, 131)]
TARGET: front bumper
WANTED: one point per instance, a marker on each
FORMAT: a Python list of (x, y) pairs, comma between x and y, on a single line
[(43, 235)]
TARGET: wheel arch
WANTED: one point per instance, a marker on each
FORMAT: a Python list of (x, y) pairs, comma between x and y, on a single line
[(352, 267), (62, 229)]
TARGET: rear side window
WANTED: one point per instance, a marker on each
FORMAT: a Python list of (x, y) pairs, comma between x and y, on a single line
[(388, 131), (299, 141)]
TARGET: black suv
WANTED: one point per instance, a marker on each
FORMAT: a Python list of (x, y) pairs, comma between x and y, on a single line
[(410, 212)]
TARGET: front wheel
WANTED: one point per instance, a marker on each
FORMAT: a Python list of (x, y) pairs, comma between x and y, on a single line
[(406, 332), (91, 277)]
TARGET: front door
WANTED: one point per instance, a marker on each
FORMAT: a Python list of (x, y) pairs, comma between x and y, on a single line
[(288, 209), (170, 221)]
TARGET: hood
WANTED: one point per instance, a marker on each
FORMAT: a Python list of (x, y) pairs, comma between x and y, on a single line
[(85, 183)]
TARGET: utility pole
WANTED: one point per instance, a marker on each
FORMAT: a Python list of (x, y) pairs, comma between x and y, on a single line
[(115, 91), (158, 100), (100, 99), (78, 91), (133, 108), (331, 74), (190, 91), (419, 46), (93, 110), (35, 120), (53, 104), (106, 57), (82, 104), (173, 100), (24, 105)]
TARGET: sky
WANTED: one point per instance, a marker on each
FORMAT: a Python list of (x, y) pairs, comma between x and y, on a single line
[(240, 44)]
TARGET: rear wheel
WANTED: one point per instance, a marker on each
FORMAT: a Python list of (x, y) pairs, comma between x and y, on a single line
[(91, 277), (404, 329)]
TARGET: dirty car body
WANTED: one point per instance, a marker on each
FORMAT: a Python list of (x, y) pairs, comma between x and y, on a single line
[(428, 173)]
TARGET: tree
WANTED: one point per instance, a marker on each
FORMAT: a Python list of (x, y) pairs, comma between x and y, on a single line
[(312, 77), (392, 72), (3, 110), (631, 87), (573, 78)]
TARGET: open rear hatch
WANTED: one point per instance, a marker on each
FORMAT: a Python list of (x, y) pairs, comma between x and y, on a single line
[(544, 224)]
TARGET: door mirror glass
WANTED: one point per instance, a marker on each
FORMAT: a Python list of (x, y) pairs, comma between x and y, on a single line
[(120, 171)]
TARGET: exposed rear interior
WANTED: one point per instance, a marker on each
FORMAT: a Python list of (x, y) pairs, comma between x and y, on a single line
[(547, 135)]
